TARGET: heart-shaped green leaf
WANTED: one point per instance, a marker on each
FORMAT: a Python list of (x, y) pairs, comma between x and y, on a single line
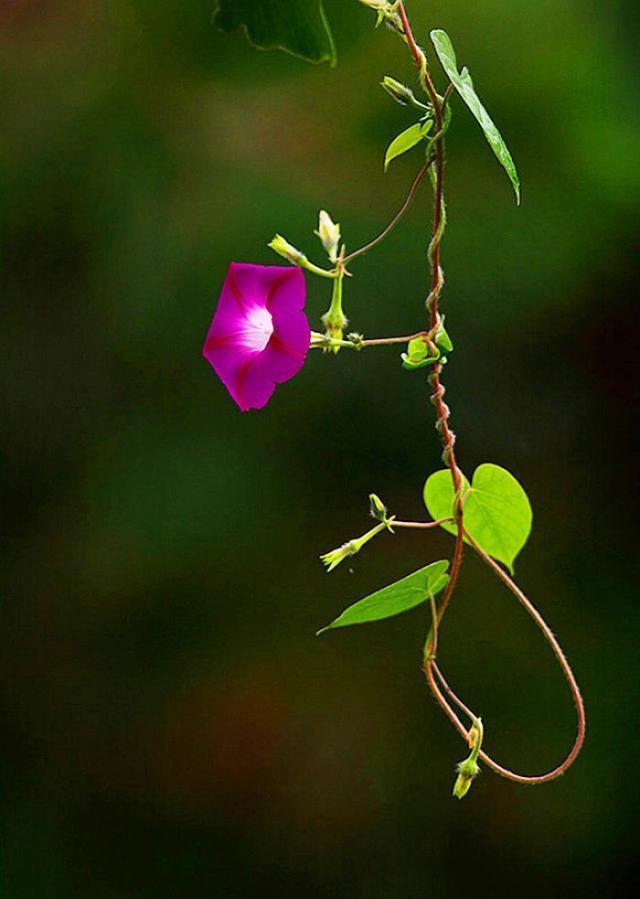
[(406, 141), (497, 512), (405, 594), (464, 85), (297, 26)]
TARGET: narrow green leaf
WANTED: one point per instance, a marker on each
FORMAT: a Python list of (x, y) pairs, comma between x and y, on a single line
[(406, 141), (464, 85), (405, 594), (497, 512), (299, 27)]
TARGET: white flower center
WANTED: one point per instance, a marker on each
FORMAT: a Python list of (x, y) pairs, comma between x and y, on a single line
[(256, 329)]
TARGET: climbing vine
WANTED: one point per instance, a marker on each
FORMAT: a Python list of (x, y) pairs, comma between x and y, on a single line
[(260, 337)]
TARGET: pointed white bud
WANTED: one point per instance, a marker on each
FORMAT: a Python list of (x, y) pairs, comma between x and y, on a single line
[(329, 234)]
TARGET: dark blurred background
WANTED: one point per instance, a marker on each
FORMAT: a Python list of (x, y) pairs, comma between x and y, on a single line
[(170, 726)]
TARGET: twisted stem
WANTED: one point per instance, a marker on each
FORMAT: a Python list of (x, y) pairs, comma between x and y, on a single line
[(436, 680), (433, 301)]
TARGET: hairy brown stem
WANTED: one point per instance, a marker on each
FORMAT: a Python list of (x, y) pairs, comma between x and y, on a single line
[(437, 283)]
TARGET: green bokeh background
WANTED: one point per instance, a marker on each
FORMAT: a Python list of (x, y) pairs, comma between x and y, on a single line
[(170, 725)]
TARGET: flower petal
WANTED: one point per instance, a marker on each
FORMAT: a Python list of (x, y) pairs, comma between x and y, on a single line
[(287, 292), (226, 357), (287, 349), (253, 386), (247, 286), (244, 375)]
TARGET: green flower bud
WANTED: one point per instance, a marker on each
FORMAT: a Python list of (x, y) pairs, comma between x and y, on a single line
[(467, 773), (329, 234), (283, 248), (377, 508), (401, 93)]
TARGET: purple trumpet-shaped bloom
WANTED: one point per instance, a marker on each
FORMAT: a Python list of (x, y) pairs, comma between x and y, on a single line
[(259, 336)]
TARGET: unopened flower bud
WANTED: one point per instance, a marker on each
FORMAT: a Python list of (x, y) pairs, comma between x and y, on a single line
[(467, 773), (283, 248), (377, 508), (401, 93), (329, 234)]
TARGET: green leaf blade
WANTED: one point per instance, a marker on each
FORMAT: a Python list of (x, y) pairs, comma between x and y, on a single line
[(497, 511), (418, 355), (398, 597), (299, 27), (501, 515), (443, 341), (405, 141), (439, 498), (464, 85)]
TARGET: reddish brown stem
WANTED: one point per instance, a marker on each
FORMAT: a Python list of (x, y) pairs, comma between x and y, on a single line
[(448, 438), (437, 283), (382, 341), (397, 217), (420, 524)]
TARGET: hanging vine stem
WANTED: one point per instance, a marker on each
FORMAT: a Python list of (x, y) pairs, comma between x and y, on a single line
[(433, 674)]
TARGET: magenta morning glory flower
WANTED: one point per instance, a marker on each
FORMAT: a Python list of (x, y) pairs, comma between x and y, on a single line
[(259, 336)]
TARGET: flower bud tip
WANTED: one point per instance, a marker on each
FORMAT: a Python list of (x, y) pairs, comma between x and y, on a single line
[(377, 508), (283, 248), (329, 234)]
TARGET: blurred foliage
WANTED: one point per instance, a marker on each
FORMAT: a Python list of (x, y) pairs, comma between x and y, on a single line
[(170, 725), (296, 26)]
